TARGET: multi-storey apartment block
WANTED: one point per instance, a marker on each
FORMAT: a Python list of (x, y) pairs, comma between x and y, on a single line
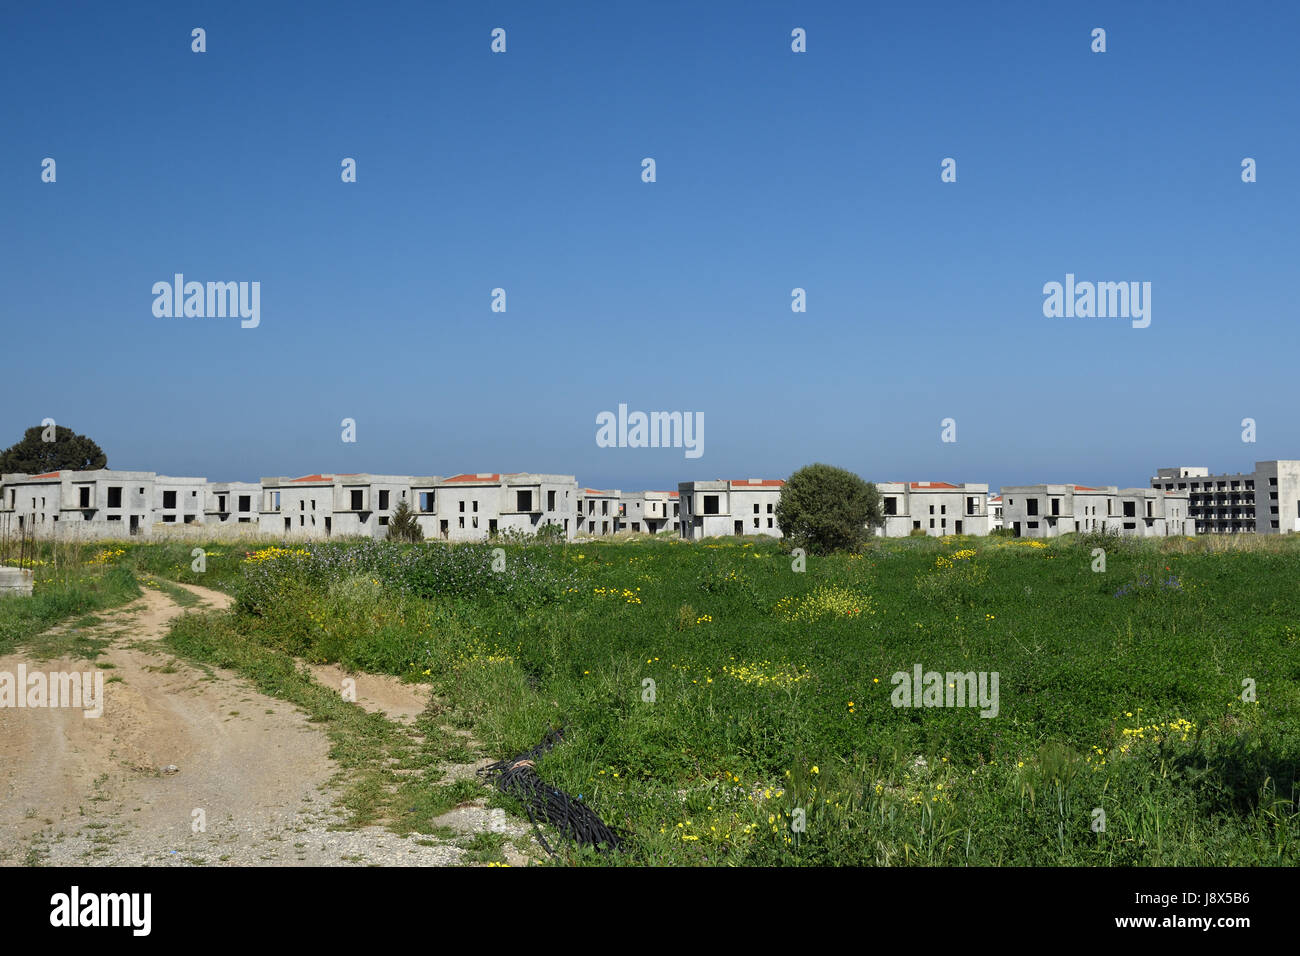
[(1046, 511), (745, 506), (1264, 501), (935, 507)]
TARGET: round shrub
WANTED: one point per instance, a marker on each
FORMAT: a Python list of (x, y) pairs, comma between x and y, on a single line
[(825, 509)]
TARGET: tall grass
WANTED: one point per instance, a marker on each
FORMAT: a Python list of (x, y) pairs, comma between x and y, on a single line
[(724, 708), (62, 590)]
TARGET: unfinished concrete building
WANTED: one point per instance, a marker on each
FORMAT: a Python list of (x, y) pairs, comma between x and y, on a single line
[(232, 503), (934, 507), (93, 504), (745, 506), (649, 512), (473, 507), (329, 505), (598, 511), (179, 501), (1047, 511), (1263, 501)]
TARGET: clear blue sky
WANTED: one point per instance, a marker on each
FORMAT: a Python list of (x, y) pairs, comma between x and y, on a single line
[(775, 170)]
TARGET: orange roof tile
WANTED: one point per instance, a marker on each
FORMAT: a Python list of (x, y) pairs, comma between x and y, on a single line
[(468, 479)]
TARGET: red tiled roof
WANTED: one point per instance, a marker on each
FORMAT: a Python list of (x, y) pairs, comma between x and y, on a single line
[(596, 491), (932, 484), (48, 474), (312, 478), (1084, 488), (759, 482), (467, 479)]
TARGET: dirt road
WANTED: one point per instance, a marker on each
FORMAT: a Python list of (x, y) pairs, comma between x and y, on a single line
[(188, 767)]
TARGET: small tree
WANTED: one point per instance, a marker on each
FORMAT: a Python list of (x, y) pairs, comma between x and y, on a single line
[(402, 526), (36, 456), (824, 509)]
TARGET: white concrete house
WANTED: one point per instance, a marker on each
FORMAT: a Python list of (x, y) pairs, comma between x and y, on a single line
[(995, 512), (179, 500), (473, 507), (598, 511), (92, 504), (934, 507), (1047, 511), (649, 512), (232, 502), (745, 506), (329, 505)]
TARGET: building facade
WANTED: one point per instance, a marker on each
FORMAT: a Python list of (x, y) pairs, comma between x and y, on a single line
[(473, 507), (1263, 501), (741, 507), (93, 504), (934, 507), (649, 512), (1048, 511), (995, 513), (598, 511)]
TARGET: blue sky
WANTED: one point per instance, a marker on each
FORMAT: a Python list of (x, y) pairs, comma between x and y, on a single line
[(775, 170)]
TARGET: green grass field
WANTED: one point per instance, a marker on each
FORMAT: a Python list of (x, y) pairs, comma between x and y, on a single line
[(721, 707), (67, 582)]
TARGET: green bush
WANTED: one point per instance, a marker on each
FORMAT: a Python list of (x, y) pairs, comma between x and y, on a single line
[(824, 509), (402, 526)]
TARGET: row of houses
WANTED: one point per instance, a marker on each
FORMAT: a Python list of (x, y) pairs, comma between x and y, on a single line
[(473, 507), (468, 507)]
